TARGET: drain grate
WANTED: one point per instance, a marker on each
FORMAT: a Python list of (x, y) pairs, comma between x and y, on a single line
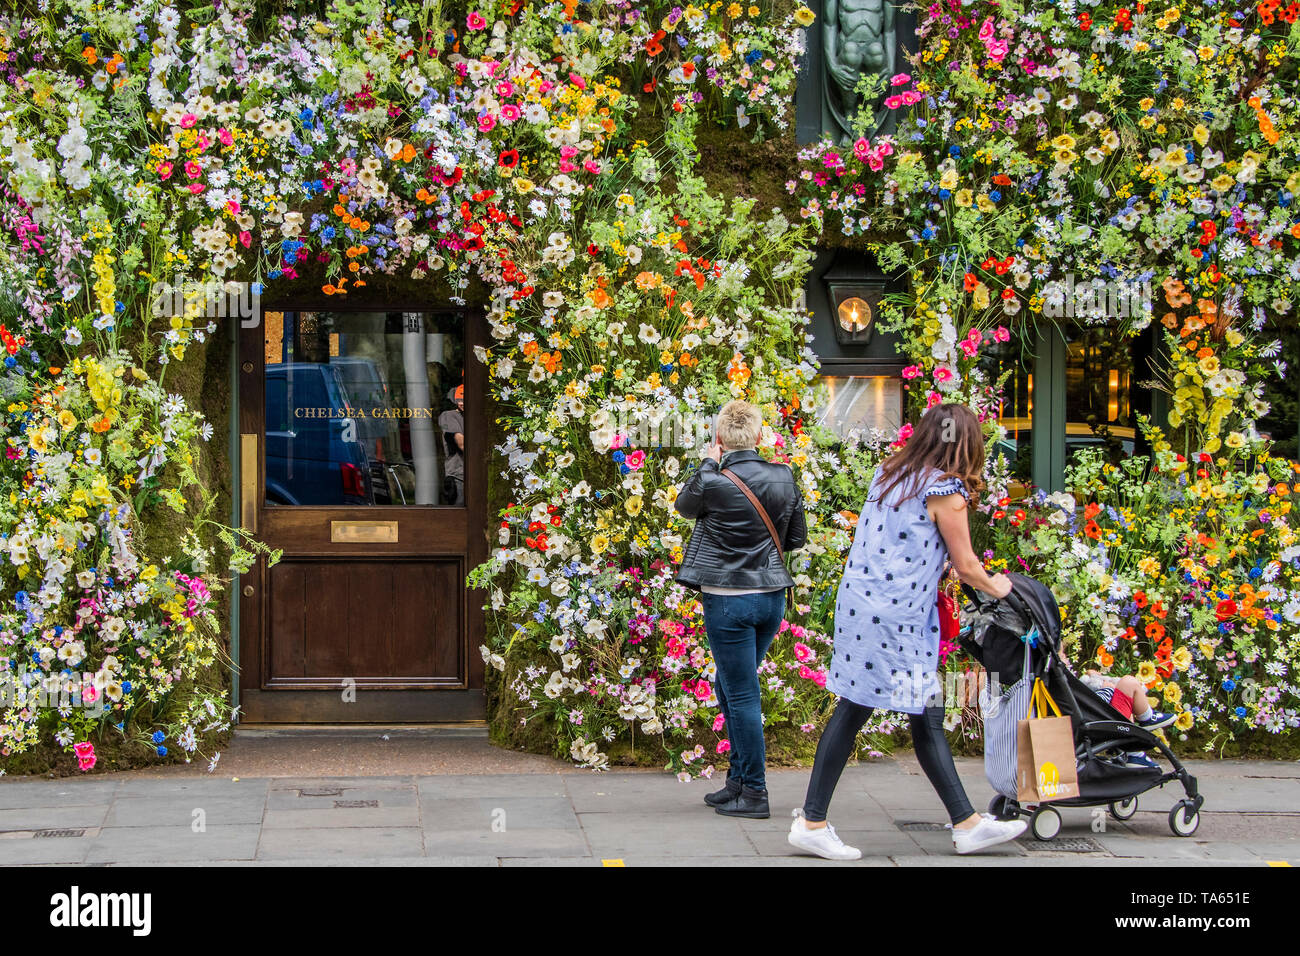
[(1064, 845), (321, 792), (914, 825), (354, 804), (59, 833)]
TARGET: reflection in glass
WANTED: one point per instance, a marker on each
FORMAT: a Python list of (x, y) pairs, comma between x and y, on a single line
[(361, 408), (1098, 378), (862, 402), (1012, 364)]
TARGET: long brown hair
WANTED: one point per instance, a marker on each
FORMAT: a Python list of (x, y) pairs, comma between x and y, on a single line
[(948, 438)]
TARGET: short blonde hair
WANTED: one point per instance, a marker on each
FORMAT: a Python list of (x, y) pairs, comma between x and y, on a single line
[(740, 425)]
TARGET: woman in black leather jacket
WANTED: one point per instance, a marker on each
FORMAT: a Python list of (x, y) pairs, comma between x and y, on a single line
[(734, 561)]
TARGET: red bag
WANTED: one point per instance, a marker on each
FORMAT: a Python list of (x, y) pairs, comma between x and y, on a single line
[(949, 619)]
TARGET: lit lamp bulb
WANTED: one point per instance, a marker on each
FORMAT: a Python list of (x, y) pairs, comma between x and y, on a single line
[(855, 314)]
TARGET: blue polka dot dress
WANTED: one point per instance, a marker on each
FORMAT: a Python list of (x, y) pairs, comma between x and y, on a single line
[(886, 640)]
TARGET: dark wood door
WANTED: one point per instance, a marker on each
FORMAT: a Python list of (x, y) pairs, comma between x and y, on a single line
[(349, 464)]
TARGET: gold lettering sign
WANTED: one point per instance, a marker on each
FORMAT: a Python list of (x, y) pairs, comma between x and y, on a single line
[(363, 532), (374, 412)]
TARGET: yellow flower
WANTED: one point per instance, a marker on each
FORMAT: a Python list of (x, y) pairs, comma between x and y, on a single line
[(523, 184), (67, 420), (1064, 141), (1146, 103), (949, 179), (964, 197), (1173, 693), (1146, 672), (1065, 156), (1185, 720), (1182, 658), (599, 544), (633, 505), (1201, 134), (804, 17)]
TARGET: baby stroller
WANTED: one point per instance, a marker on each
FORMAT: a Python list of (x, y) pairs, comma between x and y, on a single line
[(996, 635)]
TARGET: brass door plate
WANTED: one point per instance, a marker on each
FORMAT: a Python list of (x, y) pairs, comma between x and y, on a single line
[(248, 482), (363, 532)]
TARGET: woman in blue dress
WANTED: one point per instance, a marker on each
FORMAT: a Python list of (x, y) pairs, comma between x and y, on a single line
[(886, 641)]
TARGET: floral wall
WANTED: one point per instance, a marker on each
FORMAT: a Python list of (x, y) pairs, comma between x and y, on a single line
[(550, 153)]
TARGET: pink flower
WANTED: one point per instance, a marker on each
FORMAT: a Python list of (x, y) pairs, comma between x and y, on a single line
[(997, 50), (225, 137), (912, 371), (942, 374), (803, 652), (861, 148), (986, 29), (89, 694), (933, 399), (617, 441), (806, 672), (577, 81), (188, 121), (245, 238), (905, 432), (893, 102), (975, 336), (898, 79), (510, 113), (475, 21), (636, 459), (504, 88), (195, 188), (1002, 334), (718, 721), (164, 170), (85, 752), (911, 96), (193, 170), (702, 691), (723, 746), (486, 122), (592, 167)]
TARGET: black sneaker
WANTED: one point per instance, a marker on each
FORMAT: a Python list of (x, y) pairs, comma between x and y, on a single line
[(747, 803), (719, 797)]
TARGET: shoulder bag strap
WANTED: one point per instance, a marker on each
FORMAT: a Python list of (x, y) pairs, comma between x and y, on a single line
[(758, 506)]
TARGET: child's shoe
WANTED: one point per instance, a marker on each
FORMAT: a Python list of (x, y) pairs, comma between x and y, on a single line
[(1154, 720)]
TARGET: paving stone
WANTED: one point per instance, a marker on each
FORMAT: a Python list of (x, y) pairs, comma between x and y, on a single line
[(143, 810), (53, 817), (510, 813), (30, 851), (511, 843), (465, 786), (340, 844), (665, 834), (303, 799), (62, 793), (345, 817), (173, 844)]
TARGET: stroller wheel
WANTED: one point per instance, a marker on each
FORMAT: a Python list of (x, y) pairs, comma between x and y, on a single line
[(1184, 818), (1003, 808), (1124, 809), (1045, 823)]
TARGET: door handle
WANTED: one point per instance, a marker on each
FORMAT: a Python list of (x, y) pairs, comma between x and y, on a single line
[(248, 482)]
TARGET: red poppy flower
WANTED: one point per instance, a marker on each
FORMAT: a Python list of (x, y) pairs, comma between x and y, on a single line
[(508, 159), (1225, 609)]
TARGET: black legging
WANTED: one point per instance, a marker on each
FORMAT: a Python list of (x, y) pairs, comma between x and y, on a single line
[(839, 740)]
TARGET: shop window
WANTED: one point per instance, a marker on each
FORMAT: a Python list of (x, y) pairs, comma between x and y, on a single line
[(862, 403), (1012, 364), (362, 408), (1098, 392)]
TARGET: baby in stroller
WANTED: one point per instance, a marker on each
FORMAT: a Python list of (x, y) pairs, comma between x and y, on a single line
[(1129, 698)]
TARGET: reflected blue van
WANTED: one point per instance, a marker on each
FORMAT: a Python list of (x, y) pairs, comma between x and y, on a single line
[(314, 455)]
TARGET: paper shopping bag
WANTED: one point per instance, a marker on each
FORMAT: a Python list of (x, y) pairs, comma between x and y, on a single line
[(1045, 753)]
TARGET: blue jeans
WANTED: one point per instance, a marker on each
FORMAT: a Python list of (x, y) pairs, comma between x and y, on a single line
[(740, 629)]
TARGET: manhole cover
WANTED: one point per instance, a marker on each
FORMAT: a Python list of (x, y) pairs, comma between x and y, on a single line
[(323, 792), (59, 833), (1064, 845), (917, 825), (354, 804)]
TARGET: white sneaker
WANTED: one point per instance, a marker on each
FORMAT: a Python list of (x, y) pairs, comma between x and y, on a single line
[(990, 831), (820, 841)]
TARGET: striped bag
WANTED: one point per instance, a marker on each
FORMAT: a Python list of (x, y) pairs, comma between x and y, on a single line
[(1002, 715)]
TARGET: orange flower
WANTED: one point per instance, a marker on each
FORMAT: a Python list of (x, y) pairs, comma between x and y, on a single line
[(1092, 530), (1155, 631), (1104, 657), (1092, 510), (101, 425)]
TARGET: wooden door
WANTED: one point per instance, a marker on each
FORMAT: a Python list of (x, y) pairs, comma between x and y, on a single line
[(348, 463)]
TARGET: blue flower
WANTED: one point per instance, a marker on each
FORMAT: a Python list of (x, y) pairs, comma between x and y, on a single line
[(954, 150), (162, 751), (995, 195), (619, 457), (1229, 684), (945, 193), (1240, 712), (158, 736)]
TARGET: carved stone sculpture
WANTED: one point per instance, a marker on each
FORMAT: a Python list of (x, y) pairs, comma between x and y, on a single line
[(859, 40)]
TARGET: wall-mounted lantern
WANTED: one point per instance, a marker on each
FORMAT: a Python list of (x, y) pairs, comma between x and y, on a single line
[(855, 296)]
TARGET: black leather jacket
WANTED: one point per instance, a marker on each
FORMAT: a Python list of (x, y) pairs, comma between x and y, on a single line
[(730, 546)]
